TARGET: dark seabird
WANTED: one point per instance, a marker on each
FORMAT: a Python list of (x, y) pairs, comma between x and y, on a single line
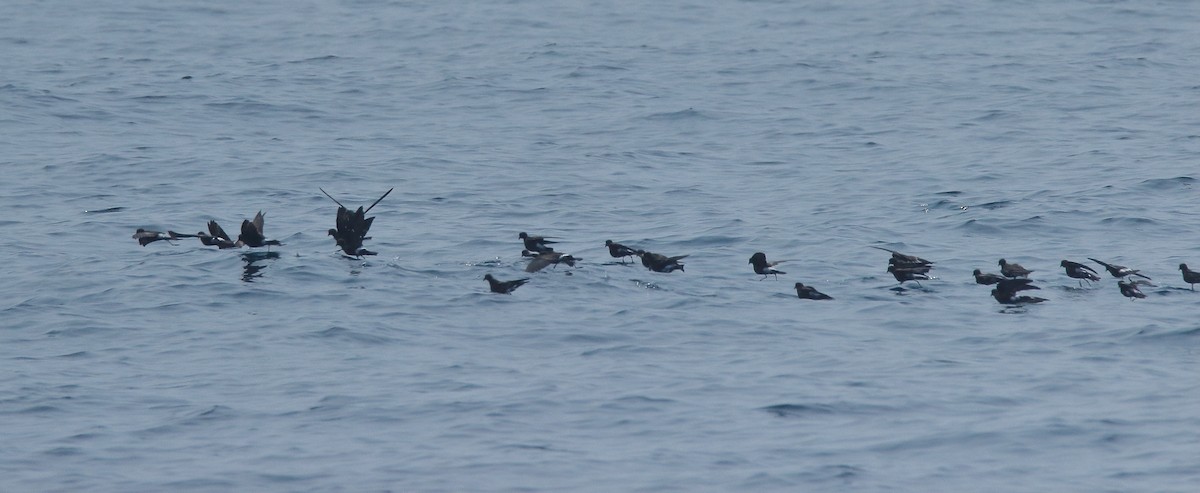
[(1013, 270), (1130, 289), (1076, 270), (810, 293), (903, 274), (618, 250), (542, 260), (904, 261), (252, 233), (1189, 276), (216, 236), (1006, 292), (352, 227), (536, 243), (764, 268), (504, 287), (989, 278), (661, 263), (1119, 270), (146, 237)]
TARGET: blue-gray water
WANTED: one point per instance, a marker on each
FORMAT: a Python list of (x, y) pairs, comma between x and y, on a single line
[(959, 131)]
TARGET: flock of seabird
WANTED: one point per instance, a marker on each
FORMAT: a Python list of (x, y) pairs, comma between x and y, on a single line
[(352, 228)]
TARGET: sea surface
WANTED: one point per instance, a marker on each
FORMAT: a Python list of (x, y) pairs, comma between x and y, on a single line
[(962, 132)]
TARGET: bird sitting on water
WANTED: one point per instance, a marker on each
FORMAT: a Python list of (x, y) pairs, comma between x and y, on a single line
[(537, 244), (1006, 291), (252, 233), (986, 279), (1119, 271), (617, 250), (504, 287), (1130, 289), (352, 227), (1189, 276), (146, 237), (1076, 270), (764, 268), (1013, 270), (810, 293), (661, 263)]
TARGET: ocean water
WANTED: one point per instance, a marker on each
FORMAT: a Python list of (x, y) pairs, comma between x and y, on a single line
[(963, 132)]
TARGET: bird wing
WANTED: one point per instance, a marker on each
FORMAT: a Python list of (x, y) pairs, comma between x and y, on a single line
[(258, 222)]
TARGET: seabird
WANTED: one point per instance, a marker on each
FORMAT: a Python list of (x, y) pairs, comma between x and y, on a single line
[(1130, 289), (764, 268), (1076, 270), (1013, 270), (504, 287), (216, 236), (617, 250), (542, 260), (810, 293), (1189, 276), (536, 243), (902, 260), (252, 233), (903, 274), (661, 263), (989, 278), (1006, 291), (146, 237), (1119, 270), (352, 227)]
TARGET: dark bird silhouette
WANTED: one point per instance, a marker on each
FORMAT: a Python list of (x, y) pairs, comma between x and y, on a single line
[(1119, 271), (661, 263), (504, 287), (810, 293), (1076, 270), (764, 268), (989, 278), (146, 237), (1006, 291), (537, 244), (903, 261), (252, 233), (352, 227), (910, 266), (1013, 270), (216, 236), (1130, 289), (542, 260), (1189, 276), (617, 250), (902, 274)]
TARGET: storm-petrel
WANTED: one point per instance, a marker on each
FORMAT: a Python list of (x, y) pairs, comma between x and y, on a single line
[(764, 268), (1130, 289), (904, 261), (810, 293), (1119, 270), (252, 233), (536, 243), (216, 236), (352, 227), (1189, 276), (989, 278), (504, 287), (542, 260), (1006, 292), (146, 237), (902, 274), (661, 263), (618, 250), (1076, 270), (1013, 270)]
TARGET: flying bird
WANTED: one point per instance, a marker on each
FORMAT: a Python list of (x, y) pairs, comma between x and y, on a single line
[(146, 237), (908, 274), (1006, 291), (661, 263), (617, 250), (216, 236), (1130, 289), (352, 227), (764, 268), (252, 233), (1119, 271), (902, 261), (1190, 276), (542, 260), (1076, 270), (537, 244)]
